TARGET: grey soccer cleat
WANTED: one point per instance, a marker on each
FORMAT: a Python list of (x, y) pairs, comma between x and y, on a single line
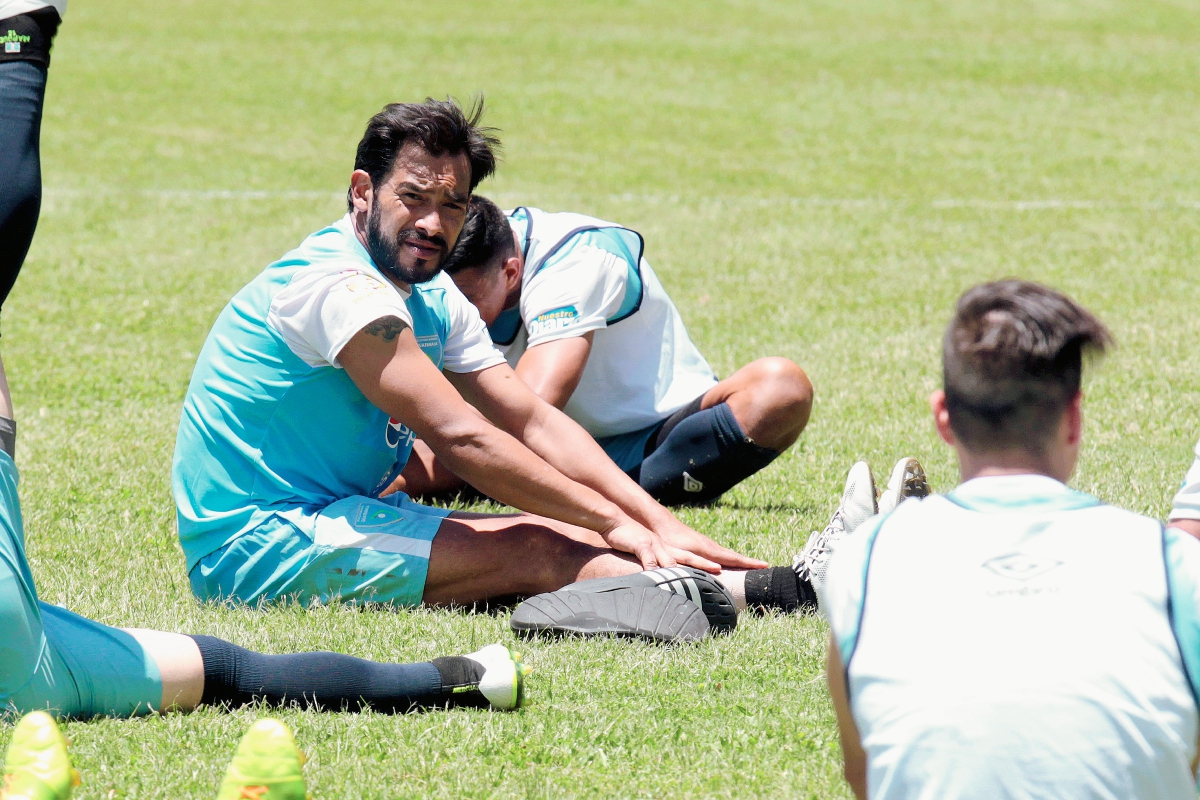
[(858, 505), (907, 480), (703, 589), (648, 612)]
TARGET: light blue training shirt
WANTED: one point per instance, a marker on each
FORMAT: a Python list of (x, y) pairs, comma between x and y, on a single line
[(271, 424)]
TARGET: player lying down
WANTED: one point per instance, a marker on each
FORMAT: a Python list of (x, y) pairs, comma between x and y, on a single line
[(55, 660)]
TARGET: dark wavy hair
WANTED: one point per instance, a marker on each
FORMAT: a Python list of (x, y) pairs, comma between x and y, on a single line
[(486, 239), (1012, 361), (439, 126)]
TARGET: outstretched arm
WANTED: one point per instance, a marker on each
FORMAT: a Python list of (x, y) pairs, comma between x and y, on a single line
[(514, 407), (388, 367)]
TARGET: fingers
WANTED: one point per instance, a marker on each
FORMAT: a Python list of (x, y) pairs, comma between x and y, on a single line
[(704, 547), (734, 560), (689, 559), (665, 559)]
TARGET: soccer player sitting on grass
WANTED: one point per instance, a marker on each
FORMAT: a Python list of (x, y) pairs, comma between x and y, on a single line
[(1013, 637), (319, 374), (583, 320)]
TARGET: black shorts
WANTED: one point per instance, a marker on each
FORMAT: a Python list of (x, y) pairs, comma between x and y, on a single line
[(28, 37)]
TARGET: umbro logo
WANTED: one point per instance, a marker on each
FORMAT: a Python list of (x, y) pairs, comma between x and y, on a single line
[(690, 484), (1020, 567)]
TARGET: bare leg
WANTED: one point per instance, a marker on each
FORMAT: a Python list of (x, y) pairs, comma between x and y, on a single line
[(735, 581), (475, 557), (771, 398), (179, 664), (1191, 526)]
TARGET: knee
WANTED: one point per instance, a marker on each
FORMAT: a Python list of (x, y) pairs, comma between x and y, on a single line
[(785, 389), (551, 559)]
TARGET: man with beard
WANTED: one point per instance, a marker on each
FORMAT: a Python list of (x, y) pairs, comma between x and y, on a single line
[(582, 318), (319, 374)]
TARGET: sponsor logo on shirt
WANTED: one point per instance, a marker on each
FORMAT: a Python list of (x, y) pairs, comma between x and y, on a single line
[(397, 433), (553, 320), (363, 286), (1020, 567), (13, 41)]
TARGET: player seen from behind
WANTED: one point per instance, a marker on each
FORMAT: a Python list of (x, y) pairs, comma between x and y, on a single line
[(1014, 637)]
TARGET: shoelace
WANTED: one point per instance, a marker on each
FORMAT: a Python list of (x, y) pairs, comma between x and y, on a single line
[(815, 552)]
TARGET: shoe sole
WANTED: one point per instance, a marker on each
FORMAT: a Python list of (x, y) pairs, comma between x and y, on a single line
[(648, 613), (713, 599), (912, 483)]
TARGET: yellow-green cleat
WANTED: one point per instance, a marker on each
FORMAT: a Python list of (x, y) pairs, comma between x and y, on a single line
[(37, 766), (266, 765)]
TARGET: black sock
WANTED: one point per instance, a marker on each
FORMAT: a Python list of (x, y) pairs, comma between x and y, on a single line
[(780, 588), (331, 681), (701, 458)]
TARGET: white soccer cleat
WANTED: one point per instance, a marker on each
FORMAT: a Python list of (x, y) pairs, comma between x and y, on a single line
[(503, 681), (907, 480), (858, 505)]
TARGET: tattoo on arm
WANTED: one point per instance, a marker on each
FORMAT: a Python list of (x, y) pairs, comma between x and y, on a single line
[(387, 327)]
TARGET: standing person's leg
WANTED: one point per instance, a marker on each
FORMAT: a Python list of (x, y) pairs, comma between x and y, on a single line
[(734, 430), (22, 93)]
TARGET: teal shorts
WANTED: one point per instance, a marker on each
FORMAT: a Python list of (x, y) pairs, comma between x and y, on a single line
[(359, 549), (51, 659)]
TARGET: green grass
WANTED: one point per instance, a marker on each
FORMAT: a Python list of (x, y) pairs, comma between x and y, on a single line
[(814, 180)]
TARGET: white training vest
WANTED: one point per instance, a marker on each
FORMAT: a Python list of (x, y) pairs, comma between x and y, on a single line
[(643, 365), (1012, 640)]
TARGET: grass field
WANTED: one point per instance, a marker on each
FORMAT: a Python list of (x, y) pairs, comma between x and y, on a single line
[(817, 180)]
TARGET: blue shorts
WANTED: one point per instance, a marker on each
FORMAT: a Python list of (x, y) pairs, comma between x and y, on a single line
[(629, 449), (51, 659), (359, 549)]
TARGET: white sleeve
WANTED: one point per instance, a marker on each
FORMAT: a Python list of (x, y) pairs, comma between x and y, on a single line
[(319, 311), (574, 295), (1187, 500), (468, 348)]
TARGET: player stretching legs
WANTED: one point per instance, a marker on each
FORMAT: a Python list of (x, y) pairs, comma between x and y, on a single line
[(583, 319), (319, 374)]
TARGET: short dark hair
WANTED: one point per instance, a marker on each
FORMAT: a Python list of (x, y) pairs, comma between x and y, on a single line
[(439, 126), (1012, 362), (486, 239)]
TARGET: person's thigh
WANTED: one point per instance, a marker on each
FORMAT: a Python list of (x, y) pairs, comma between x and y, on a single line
[(87, 669), (358, 549)]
